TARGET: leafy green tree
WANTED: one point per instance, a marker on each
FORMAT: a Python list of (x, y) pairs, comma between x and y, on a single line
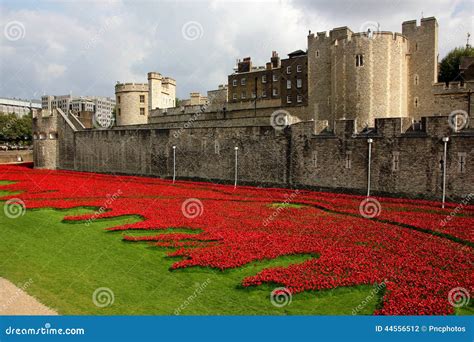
[(15, 129), (449, 67)]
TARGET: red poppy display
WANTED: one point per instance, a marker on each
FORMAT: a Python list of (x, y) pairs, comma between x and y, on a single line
[(418, 250)]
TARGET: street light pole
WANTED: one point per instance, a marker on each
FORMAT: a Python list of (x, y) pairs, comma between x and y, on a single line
[(445, 140), (235, 171), (174, 164), (256, 96), (369, 141)]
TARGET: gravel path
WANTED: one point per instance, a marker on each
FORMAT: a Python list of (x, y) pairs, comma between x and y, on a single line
[(15, 301)]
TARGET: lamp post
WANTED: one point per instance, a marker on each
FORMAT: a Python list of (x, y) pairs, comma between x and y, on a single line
[(445, 140), (236, 148), (369, 141), (174, 163)]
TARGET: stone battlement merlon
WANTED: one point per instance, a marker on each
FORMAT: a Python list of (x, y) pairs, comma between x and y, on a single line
[(411, 25)]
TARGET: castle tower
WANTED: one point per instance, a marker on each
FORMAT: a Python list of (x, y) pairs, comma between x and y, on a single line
[(45, 139), (357, 75), (155, 89), (422, 65), (319, 76), (131, 103)]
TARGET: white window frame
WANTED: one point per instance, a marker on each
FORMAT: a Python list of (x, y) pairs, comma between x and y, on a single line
[(234, 96), (264, 93), (275, 78), (299, 68), (288, 84), (275, 92), (288, 69), (264, 78), (288, 99), (395, 161), (299, 83), (299, 98), (234, 83), (243, 95), (243, 81), (348, 160)]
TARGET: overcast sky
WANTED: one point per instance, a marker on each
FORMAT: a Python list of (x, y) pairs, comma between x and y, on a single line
[(84, 47)]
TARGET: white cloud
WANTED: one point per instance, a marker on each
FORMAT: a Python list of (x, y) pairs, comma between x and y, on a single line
[(85, 47)]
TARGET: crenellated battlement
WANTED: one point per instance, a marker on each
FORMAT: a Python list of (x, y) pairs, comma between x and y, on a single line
[(411, 25), (364, 38), (123, 87), (450, 87), (429, 127)]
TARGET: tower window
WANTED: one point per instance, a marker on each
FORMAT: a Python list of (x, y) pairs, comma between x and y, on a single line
[(395, 161), (142, 111), (359, 60), (348, 160), (416, 79), (416, 102), (315, 158), (317, 53), (142, 98)]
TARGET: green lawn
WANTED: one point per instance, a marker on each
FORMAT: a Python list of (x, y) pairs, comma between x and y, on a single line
[(67, 261)]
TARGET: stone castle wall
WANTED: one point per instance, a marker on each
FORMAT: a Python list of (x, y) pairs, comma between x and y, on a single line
[(293, 157)]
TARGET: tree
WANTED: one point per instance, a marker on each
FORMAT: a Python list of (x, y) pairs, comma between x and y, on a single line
[(14, 128), (449, 67)]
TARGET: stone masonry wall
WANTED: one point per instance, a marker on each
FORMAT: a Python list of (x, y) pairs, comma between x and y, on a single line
[(404, 162)]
